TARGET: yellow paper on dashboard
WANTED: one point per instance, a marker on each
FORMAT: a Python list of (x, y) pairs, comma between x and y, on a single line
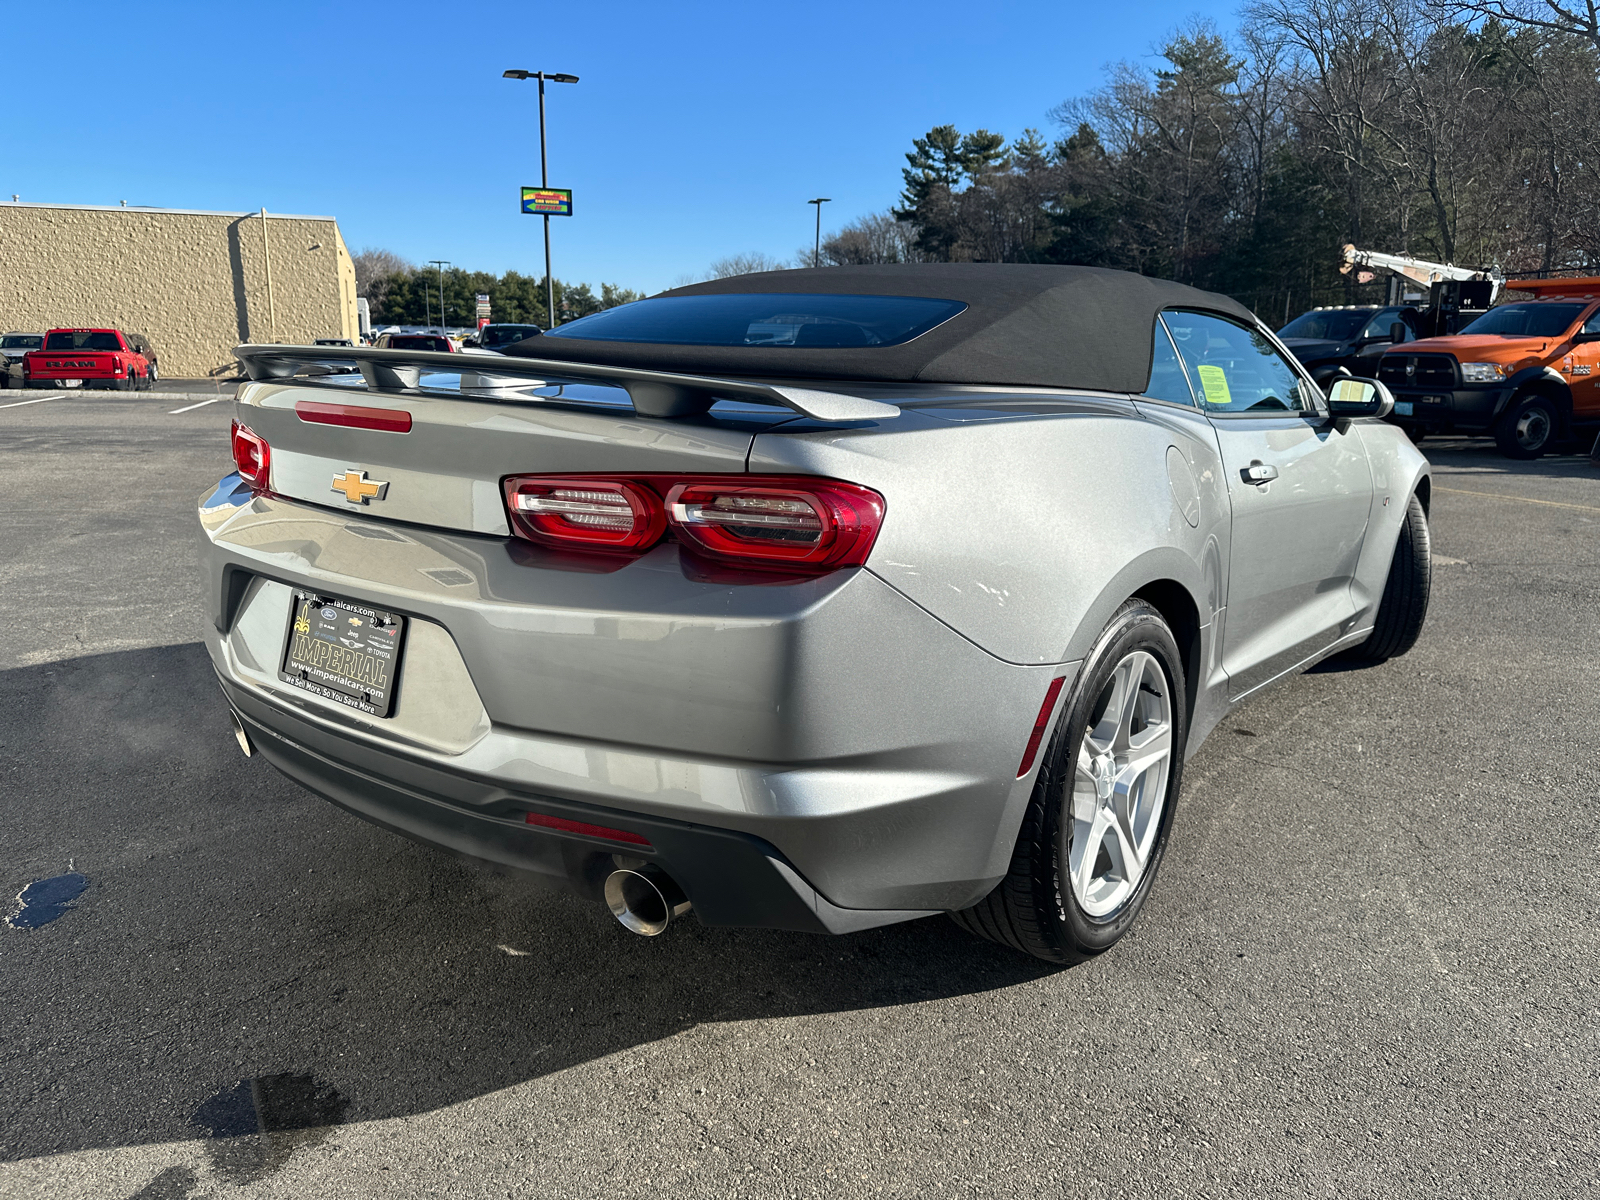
[(1214, 382)]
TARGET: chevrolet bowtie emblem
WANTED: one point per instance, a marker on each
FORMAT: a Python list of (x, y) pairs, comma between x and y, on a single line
[(357, 488)]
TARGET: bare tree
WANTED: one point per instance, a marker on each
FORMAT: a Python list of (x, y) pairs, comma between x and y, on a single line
[(1347, 62), (376, 268), (745, 264), (373, 263), (877, 238), (1575, 19)]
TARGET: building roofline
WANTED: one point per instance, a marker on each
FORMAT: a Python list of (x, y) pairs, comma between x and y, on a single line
[(183, 212)]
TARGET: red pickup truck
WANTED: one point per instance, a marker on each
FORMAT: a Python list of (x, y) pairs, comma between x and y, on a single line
[(102, 358)]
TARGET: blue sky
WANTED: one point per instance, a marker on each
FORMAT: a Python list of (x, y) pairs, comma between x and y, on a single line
[(698, 130)]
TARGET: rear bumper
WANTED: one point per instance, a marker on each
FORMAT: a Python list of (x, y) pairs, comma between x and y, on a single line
[(855, 754), (732, 878)]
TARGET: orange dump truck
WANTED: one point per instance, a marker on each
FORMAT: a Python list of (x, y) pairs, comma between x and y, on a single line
[(1526, 373)]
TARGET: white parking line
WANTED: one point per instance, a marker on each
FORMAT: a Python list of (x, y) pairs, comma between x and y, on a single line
[(40, 400), (174, 412)]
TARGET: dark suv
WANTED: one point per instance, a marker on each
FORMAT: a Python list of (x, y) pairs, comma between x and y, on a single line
[(498, 337), (1354, 338)]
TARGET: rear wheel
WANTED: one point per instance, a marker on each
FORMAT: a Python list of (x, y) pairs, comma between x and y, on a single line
[(1096, 826), (1404, 606), (1529, 427)]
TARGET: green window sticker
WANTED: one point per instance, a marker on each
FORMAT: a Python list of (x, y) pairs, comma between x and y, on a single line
[(1214, 382)]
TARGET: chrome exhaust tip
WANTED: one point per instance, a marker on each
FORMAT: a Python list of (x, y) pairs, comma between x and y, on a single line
[(240, 735), (645, 899)]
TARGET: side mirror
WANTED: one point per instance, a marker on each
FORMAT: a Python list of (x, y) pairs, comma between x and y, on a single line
[(1586, 336), (1350, 399), (1397, 332)]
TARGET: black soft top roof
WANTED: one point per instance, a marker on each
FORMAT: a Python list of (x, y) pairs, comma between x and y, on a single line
[(1025, 325)]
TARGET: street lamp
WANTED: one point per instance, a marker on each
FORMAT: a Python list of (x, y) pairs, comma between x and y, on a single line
[(441, 263), (816, 252), (544, 179)]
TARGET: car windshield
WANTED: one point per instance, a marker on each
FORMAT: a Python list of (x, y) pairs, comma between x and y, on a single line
[(1334, 326), (504, 335), (21, 341), (1527, 320), (797, 320), (82, 339), (419, 342)]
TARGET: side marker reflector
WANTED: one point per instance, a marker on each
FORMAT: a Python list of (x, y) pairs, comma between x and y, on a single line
[(1040, 724), (562, 825)]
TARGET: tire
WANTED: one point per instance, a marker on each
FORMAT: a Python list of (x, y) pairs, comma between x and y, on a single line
[(1404, 606), (1043, 906), (151, 377), (1529, 428)]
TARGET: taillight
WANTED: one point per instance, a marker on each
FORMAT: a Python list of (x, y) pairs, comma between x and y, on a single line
[(769, 522), (810, 523), (251, 455), (595, 514)]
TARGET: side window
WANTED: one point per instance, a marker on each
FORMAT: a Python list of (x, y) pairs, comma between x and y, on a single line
[(1234, 369), (1592, 325), (1378, 327), (1167, 380)]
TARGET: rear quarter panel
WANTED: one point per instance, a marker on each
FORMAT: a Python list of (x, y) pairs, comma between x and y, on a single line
[(1023, 524)]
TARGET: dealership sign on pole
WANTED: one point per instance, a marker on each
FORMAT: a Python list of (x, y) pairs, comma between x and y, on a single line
[(483, 309), (547, 201)]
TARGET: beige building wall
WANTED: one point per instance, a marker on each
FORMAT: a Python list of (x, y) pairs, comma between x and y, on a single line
[(195, 283)]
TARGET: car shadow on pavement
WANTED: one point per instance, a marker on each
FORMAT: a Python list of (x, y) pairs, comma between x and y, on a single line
[(236, 931), (1481, 455)]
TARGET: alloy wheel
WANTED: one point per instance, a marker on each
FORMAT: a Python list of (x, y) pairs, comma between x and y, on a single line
[(1119, 786)]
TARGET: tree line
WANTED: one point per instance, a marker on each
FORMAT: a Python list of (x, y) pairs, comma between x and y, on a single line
[(1465, 133), (399, 293)]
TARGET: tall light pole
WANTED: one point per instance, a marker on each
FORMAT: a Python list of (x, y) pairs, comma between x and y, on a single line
[(441, 263), (816, 253), (544, 179)]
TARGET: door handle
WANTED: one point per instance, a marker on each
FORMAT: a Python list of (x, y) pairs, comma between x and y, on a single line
[(1259, 472)]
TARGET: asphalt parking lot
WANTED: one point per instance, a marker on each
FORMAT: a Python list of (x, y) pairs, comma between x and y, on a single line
[(1369, 967)]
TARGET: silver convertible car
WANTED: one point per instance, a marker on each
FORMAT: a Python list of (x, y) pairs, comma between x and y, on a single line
[(815, 600)]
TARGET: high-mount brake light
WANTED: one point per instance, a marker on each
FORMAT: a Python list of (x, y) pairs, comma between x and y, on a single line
[(777, 521), (588, 513), (354, 416), (252, 456)]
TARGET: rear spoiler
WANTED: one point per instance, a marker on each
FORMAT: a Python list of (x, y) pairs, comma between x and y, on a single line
[(654, 393)]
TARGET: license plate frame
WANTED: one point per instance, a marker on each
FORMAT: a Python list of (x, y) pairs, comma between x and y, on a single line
[(343, 651), (1403, 408)]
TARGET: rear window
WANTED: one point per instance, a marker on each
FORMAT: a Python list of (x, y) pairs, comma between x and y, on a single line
[(418, 342), (778, 320), (1527, 320), (82, 339), (21, 341)]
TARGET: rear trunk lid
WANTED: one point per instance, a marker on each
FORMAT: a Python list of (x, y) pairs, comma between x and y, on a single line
[(438, 459)]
